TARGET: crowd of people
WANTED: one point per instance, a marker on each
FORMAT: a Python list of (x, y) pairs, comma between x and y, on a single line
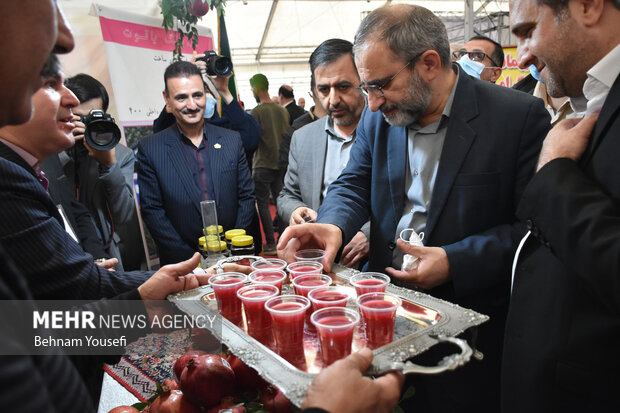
[(515, 190)]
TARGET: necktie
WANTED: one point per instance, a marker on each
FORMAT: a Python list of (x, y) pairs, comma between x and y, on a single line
[(43, 179)]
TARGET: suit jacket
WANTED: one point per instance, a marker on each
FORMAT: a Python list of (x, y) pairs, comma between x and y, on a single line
[(563, 328), (170, 198), (108, 197), (294, 111), (303, 182), (493, 137), (77, 214), (32, 231)]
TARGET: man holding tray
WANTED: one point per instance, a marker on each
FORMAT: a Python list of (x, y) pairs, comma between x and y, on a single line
[(444, 154)]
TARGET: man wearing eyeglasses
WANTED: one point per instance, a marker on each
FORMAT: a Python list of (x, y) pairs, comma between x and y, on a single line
[(443, 154), (481, 57)]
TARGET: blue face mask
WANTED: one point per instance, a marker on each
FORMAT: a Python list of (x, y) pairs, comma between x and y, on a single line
[(535, 73), (470, 67), (210, 106)]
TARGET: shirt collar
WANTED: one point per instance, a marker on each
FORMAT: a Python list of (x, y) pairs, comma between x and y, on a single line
[(329, 128), (600, 79), (25, 155)]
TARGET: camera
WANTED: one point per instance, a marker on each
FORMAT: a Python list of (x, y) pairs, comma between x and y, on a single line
[(217, 65), (101, 132)]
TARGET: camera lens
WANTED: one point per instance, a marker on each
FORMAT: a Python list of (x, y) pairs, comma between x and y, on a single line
[(101, 132), (222, 66)]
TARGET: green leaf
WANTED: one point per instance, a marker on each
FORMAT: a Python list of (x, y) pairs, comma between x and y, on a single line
[(140, 406)]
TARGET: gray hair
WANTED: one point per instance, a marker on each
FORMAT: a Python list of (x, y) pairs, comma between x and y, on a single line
[(408, 31)]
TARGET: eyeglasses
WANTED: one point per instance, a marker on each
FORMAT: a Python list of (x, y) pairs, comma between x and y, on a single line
[(377, 90), (476, 56)]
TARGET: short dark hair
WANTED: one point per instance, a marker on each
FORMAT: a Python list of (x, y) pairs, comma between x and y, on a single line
[(86, 87), (52, 67), (498, 51), (180, 69), (407, 30), (328, 52)]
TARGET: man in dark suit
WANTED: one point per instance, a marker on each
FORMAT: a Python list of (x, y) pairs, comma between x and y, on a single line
[(286, 98), (563, 327), (189, 162), (439, 155)]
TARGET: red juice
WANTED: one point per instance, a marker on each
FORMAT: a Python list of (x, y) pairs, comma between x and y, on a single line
[(379, 322), (274, 277), (225, 287), (322, 298), (287, 315), (304, 267), (335, 342), (256, 316), (369, 286), (303, 287)]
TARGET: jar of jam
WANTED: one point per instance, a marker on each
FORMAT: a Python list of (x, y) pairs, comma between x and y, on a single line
[(213, 230), (217, 248), (202, 244), (242, 245), (230, 234)]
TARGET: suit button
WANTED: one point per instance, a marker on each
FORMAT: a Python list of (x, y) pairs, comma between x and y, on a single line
[(391, 245), (529, 224), (547, 244)]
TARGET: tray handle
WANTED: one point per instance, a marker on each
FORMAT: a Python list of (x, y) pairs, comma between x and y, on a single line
[(450, 362)]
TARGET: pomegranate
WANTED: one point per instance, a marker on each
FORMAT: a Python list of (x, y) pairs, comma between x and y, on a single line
[(170, 385), (124, 409), (206, 379), (245, 376), (181, 362), (172, 401), (274, 401), (228, 405), (198, 8)]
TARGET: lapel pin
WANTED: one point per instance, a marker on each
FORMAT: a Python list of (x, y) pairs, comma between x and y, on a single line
[(217, 146)]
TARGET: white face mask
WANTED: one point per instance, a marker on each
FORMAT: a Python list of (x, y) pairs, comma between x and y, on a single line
[(470, 67), (210, 106)]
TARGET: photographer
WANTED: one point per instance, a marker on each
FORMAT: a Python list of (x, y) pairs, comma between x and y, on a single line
[(101, 179)]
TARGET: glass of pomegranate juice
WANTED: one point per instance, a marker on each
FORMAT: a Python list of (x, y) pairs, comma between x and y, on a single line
[(369, 282), (304, 267), (269, 276), (287, 316), (303, 284), (253, 297), (332, 296), (225, 287), (379, 314), (335, 327), (269, 264), (315, 255)]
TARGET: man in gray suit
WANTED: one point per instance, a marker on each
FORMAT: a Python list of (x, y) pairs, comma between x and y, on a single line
[(320, 150)]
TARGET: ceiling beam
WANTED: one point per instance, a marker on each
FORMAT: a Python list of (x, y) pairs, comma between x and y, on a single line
[(272, 12)]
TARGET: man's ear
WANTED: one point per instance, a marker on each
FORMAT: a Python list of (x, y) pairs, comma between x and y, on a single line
[(166, 98), (497, 72), (588, 12), (430, 65)]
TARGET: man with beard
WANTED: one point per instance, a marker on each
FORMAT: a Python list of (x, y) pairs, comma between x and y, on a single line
[(567, 270), (320, 151), (444, 154), (189, 162)]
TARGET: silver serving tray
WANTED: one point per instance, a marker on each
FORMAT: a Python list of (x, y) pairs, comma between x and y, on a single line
[(422, 322)]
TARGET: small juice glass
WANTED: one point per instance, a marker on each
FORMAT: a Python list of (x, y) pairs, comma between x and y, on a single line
[(269, 264), (335, 327), (379, 314), (315, 255), (268, 276), (287, 315), (369, 282), (303, 284), (332, 296), (258, 319), (225, 287), (304, 267)]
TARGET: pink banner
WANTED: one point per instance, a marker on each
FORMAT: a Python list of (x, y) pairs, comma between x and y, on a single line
[(148, 37)]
